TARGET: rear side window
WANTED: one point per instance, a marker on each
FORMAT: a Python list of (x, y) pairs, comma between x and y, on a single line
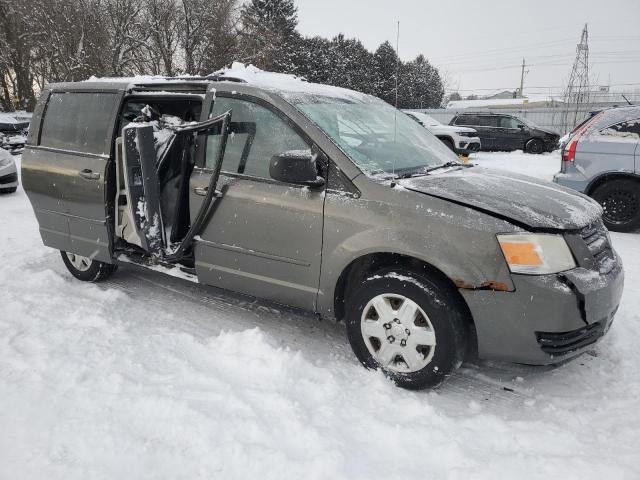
[(467, 120), (80, 122), (488, 121), (629, 128)]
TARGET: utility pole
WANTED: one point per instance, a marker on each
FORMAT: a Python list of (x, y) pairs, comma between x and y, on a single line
[(522, 79), (397, 60), (577, 92)]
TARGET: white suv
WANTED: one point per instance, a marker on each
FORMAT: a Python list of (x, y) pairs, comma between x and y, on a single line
[(462, 140)]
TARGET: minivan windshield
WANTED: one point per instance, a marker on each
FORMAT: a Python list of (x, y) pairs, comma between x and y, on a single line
[(378, 138)]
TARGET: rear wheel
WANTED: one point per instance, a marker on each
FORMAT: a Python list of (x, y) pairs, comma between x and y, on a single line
[(410, 326), (86, 269), (534, 146), (620, 200)]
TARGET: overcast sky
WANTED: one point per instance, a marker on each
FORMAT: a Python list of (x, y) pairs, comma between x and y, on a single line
[(480, 44)]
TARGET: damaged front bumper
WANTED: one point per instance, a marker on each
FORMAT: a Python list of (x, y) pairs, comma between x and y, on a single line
[(548, 318)]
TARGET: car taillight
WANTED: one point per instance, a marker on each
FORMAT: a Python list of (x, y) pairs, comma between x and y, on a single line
[(569, 152)]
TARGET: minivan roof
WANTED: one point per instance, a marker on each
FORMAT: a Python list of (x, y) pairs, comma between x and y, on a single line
[(291, 87)]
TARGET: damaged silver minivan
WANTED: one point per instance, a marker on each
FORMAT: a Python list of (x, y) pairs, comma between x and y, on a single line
[(327, 200)]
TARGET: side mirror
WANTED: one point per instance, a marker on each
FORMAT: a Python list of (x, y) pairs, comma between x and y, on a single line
[(521, 126), (296, 166)]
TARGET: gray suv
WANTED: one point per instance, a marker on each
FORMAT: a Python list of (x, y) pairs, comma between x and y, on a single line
[(327, 200), (602, 159)]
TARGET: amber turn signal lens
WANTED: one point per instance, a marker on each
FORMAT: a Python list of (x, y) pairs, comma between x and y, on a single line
[(517, 253)]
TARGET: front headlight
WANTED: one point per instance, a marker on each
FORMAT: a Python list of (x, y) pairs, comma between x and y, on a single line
[(536, 253)]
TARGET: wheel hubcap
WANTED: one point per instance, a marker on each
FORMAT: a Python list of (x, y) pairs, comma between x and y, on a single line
[(79, 262), (620, 206), (398, 333)]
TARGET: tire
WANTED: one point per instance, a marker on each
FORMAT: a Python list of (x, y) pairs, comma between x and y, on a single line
[(534, 146), (620, 200), (448, 143), (8, 190), (438, 327), (86, 269)]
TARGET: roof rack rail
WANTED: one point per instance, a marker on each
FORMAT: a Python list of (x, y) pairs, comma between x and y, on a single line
[(208, 78)]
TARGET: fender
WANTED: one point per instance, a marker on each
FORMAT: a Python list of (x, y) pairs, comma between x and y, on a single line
[(604, 176)]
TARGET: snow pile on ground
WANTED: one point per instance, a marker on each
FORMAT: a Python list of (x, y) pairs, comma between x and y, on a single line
[(149, 376)]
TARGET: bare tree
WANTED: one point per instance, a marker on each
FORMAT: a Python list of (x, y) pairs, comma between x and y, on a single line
[(164, 22), (17, 42), (207, 39), (126, 35)]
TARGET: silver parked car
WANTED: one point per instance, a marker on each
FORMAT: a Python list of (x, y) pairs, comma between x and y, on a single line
[(8, 173), (327, 200), (601, 158)]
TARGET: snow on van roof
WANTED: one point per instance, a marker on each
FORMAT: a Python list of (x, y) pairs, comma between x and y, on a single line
[(292, 87), (284, 83)]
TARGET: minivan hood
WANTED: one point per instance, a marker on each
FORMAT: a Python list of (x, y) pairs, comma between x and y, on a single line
[(525, 200), (547, 132)]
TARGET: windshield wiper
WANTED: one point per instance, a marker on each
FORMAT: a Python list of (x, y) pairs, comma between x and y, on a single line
[(425, 171), (446, 165)]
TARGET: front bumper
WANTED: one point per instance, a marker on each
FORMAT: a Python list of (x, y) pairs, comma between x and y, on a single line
[(548, 318), (8, 176), (467, 145), (552, 144), (573, 180)]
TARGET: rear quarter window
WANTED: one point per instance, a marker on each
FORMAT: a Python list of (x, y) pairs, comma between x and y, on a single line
[(79, 122), (466, 120)]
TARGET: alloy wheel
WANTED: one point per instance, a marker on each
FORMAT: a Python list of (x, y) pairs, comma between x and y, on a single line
[(620, 206)]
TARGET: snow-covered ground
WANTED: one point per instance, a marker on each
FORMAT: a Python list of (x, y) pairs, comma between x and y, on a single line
[(148, 376)]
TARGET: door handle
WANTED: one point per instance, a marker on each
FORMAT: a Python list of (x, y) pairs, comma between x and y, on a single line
[(89, 174), (202, 191)]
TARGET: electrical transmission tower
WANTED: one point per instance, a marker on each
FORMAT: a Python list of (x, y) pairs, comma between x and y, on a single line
[(577, 92)]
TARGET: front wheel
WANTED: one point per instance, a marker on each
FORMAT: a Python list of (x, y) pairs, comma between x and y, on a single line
[(86, 269), (534, 146), (620, 200), (410, 326)]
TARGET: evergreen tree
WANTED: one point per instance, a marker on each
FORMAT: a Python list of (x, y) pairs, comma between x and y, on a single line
[(385, 63), (349, 62), (268, 34)]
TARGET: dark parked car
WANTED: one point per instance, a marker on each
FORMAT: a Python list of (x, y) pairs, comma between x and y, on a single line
[(507, 132), (13, 133)]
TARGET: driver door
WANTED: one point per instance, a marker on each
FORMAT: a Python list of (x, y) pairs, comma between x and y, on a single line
[(264, 237)]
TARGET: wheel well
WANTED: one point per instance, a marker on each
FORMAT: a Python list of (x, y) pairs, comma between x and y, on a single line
[(602, 179), (361, 268)]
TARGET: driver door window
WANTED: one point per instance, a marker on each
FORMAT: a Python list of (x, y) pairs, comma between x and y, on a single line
[(508, 122), (256, 134)]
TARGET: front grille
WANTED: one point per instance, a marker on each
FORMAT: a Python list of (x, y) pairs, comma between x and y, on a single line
[(12, 177), (562, 343), (596, 238)]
